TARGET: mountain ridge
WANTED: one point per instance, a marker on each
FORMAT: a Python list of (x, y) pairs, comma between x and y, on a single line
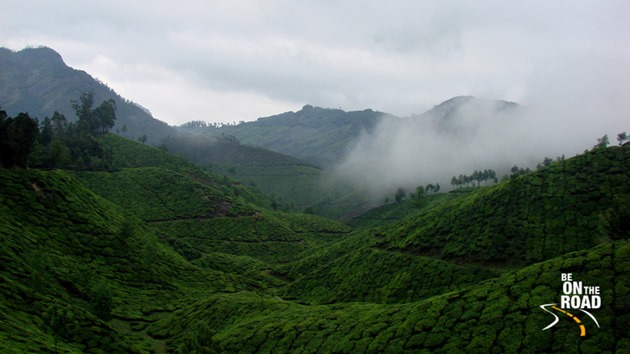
[(37, 81)]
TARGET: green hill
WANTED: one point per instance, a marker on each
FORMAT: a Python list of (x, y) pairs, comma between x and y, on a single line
[(199, 213), (571, 205), (162, 256), (501, 315), (467, 237), (70, 257), (150, 250), (37, 81), (292, 184), (316, 135), (393, 212)]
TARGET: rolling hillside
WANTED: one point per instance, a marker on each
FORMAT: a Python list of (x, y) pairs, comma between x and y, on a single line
[(162, 256), (81, 274), (200, 213), (571, 205), (528, 219), (292, 184), (498, 315)]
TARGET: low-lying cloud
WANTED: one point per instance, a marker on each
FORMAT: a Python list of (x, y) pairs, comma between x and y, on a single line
[(458, 137)]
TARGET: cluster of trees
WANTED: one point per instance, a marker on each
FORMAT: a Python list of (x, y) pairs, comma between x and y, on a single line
[(603, 142), (420, 192), (17, 137), (200, 124), (475, 179), (57, 143)]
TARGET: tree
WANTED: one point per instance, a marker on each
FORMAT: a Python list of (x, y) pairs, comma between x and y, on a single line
[(400, 194), (602, 142), (143, 138), (621, 138), (17, 138), (96, 121), (61, 321), (419, 199), (58, 154), (47, 132), (59, 125), (104, 117), (200, 341), (102, 302)]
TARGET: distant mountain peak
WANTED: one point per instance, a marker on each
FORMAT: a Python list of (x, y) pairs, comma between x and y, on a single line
[(42, 53), (37, 80), (452, 105)]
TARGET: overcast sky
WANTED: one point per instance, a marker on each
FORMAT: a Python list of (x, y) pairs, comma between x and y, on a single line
[(224, 61)]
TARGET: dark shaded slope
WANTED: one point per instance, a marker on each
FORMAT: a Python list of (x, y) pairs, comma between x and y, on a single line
[(499, 315), (354, 270), (37, 81), (294, 184), (316, 135), (61, 245)]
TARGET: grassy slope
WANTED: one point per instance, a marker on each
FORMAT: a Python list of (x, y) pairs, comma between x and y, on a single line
[(497, 315), (393, 212), (295, 185), (131, 154), (59, 241), (199, 213), (291, 183), (354, 270), (288, 179), (571, 205), (473, 236)]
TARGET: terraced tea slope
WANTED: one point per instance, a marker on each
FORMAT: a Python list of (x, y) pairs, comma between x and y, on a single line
[(199, 213), (496, 316), (572, 205), (470, 237), (69, 257), (178, 260)]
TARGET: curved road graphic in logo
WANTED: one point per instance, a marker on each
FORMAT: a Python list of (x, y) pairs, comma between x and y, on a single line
[(575, 318)]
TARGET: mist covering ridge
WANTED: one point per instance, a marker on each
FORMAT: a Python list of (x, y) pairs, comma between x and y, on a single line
[(458, 136)]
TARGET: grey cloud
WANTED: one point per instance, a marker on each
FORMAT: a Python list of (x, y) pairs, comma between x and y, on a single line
[(400, 57)]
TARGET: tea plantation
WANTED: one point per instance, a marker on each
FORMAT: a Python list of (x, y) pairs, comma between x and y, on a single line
[(159, 256)]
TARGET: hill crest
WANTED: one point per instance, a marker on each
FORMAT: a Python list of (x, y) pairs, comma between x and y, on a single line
[(37, 81)]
